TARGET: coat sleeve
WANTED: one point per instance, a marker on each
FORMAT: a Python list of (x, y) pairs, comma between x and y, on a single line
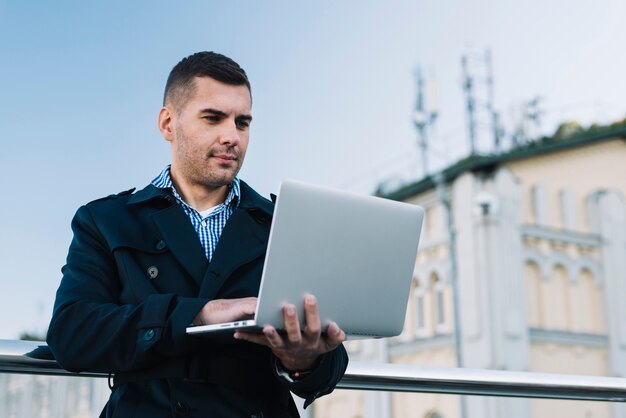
[(90, 330), (324, 378)]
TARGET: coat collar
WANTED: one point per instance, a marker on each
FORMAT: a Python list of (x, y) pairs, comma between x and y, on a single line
[(250, 199), (243, 239), (148, 193)]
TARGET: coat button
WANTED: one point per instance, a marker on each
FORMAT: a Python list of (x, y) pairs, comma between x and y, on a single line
[(153, 272), (261, 219), (160, 245), (181, 408), (148, 335)]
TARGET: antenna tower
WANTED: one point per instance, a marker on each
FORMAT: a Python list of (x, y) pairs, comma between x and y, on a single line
[(424, 118), (479, 92)]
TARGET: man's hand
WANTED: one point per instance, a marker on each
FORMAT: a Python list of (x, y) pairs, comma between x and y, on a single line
[(298, 350), (225, 310)]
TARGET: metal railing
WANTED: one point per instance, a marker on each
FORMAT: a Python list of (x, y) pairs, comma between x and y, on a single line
[(30, 357)]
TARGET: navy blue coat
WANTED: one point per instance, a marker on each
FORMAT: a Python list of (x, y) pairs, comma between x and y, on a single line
[(136, 276)]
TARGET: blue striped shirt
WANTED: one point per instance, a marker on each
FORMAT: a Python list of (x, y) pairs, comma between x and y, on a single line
[(208, 226)]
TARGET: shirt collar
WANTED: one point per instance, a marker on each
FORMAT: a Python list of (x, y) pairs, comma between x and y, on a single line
[(164, 181)]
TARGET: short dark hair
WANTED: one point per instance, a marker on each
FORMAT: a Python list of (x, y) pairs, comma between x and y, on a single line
[(180, 83)]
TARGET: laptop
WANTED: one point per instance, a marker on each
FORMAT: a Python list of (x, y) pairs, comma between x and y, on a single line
[(355, 253)]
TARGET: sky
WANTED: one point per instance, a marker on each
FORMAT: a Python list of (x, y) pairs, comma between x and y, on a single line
[(333, 85)]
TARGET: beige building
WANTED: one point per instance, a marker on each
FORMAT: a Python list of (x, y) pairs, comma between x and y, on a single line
[(540, 240)]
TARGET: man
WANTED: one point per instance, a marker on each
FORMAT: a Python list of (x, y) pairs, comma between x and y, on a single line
[(188, 248)]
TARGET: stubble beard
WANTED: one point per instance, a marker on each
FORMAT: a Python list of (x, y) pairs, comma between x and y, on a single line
[(203, 170)]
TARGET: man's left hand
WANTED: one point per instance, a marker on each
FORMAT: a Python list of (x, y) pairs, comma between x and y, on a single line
[(298, 350)]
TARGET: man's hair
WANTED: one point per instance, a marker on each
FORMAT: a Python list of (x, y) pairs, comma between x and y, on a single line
[(181, 85)]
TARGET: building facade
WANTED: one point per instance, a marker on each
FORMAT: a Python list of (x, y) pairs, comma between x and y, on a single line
[(539, 237)]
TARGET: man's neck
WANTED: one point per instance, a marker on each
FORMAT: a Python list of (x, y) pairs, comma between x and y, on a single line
[(199, 196)]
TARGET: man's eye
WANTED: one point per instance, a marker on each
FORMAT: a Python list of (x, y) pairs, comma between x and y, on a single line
[(243, 124), (213, 118)]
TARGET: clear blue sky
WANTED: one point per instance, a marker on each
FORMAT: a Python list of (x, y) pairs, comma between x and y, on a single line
[(333, 86)]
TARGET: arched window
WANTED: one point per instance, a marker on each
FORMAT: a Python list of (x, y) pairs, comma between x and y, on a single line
[(438, 303), (432, 222), (534, 296), (568, 209), (419, 309), (591, 305), (556, 303)]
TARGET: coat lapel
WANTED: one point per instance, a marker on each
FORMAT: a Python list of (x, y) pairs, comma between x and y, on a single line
[(244, 238), (182, 240), (176, 229)]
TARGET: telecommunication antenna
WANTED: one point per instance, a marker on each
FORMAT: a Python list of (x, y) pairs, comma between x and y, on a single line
[(495, 116), (424, 117), (528, 121), (534, 113), (479, 96), (468, 87)]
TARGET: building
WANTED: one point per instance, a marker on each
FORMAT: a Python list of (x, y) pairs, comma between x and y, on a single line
[(538, 238)]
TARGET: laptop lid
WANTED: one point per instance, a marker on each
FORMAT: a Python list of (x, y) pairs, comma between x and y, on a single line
[(355, 253)]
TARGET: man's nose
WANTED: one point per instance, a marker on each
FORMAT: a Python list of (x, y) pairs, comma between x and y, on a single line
[(230, 135)]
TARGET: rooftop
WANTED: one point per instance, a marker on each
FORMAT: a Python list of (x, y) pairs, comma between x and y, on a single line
[(568, 136)]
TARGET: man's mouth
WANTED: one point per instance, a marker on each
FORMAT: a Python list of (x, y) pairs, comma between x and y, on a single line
[(224, 158)]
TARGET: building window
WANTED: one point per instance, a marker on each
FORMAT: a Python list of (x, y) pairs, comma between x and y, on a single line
[(436, 289), (420, 320), (591, 304), (441, 319), (419, 294), (430, 220), (540, 207), (568, 213), (534, 296), (421, 323), (556, 304)]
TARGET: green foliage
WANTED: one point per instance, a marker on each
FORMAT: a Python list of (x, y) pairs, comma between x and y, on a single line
[(32, 336)]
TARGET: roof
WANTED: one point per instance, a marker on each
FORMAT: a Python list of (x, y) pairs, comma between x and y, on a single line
[(488, 163)]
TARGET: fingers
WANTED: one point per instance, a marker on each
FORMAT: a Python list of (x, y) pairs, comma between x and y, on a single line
[(273, 338), (253, 338), (292, 324), (248, 306), (226, 310), (313, 325), (296, 350), (296, 345), (334, 336), (270, 337)]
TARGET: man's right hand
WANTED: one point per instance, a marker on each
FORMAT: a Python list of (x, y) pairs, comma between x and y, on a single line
[(226, 310)]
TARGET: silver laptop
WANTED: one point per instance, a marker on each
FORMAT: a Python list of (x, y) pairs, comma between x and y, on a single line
[(355, 253)]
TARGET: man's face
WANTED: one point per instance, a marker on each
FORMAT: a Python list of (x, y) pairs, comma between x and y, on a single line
[(210, 133)]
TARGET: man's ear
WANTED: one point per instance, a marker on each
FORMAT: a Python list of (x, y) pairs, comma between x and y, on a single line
[(165, 123)]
